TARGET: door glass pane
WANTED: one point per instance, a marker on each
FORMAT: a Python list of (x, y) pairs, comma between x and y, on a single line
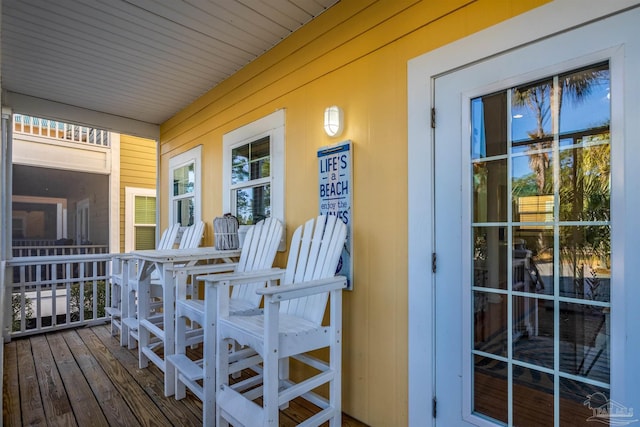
[(585, 186), (532, 389), (541, 248), (490, 319), (533, 259), (533, 332), (490, 387), (490, 206), (489, 123), (585, 102), (585, 262), (532, 187), (490, 257), (576, 409), (584, 338), (532, 116)]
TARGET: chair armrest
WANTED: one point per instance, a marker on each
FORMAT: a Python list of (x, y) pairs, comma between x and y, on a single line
[(297, 290), (240, 278), (204, 268)]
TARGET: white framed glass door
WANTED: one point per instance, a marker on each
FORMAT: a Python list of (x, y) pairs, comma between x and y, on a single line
[(538, 249), (525, 329)]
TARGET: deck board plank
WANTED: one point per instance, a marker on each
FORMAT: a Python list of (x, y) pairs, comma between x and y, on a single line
[(30, 399), (111, 401), (11, 413), (55, 401), (82, 400), (140, 403)]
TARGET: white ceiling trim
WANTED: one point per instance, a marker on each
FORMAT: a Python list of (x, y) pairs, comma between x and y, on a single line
[(37, 107)]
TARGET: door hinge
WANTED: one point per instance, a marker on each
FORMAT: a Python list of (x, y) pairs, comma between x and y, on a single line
[(435, 406), (433, 118), (433, 262)]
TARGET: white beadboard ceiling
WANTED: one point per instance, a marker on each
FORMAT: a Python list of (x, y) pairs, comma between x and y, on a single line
[(143, 60)]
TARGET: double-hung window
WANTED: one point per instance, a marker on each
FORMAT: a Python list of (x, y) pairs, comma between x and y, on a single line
[(184, 189), (253, 170)]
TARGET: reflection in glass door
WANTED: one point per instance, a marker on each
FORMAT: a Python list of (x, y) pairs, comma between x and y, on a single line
[(540, 159)]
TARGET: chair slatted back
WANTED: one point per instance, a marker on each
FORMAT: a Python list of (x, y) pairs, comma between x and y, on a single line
[(258, 252), (190, 239), (314, 254), (168, 238), (192, 236)]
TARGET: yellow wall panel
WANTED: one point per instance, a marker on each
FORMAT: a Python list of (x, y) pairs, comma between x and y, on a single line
[(138, 166), (355, 56)]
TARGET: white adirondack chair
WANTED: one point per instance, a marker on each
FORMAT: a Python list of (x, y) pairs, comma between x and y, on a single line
[(191, 238), (290, 327), (258, 252), (118, 309)]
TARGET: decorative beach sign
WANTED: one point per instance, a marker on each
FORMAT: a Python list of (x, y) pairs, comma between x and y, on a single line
[(336, 195)]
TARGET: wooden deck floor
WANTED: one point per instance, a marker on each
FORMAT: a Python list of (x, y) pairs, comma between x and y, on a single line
[(83, 377)]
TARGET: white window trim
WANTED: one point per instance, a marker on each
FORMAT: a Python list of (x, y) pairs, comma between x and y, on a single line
[(272, 126), (130, 194), (192, 156)]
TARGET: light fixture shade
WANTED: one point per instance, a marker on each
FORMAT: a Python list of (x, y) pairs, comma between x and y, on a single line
[(333, 121)]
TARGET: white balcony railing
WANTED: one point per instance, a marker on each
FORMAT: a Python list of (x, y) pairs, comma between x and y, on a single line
[(59, 130), (55, 292)]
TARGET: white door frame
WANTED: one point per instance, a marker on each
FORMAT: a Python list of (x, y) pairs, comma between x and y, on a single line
[(553, 18), (83, 223)]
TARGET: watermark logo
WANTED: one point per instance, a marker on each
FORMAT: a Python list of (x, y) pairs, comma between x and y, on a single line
[(607, 411)]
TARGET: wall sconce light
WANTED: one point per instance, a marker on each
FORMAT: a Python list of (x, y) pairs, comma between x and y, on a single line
[(333, 121)]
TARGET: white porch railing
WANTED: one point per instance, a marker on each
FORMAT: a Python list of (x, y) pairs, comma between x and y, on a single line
[(59, 130), (55, 292), (39, 250)]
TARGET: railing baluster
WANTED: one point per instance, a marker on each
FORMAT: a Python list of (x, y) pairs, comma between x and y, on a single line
[(82, 283), (54, 295), (38, 284), (94, 283), (67, 267), (23, 300)]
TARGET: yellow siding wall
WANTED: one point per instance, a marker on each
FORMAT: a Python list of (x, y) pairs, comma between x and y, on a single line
[(355, 56), (138, 159)]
